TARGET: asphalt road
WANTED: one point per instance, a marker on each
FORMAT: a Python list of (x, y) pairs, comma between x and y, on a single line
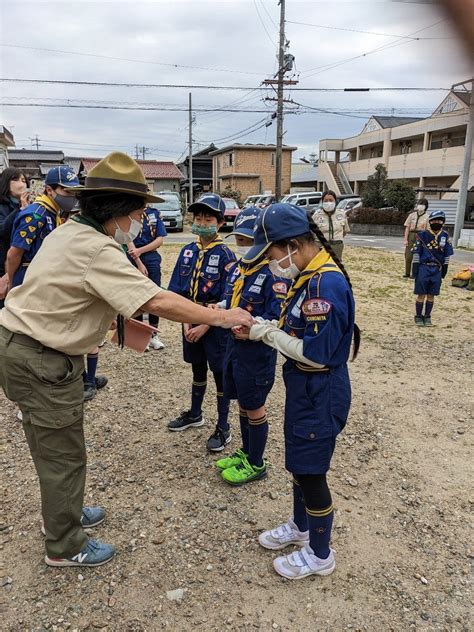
[(392, 244)]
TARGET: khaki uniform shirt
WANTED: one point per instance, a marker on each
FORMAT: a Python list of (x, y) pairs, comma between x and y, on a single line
[(339, 224), (416, 222), (74, 288)]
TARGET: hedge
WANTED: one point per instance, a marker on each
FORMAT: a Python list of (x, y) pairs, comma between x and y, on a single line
[(366, 215)]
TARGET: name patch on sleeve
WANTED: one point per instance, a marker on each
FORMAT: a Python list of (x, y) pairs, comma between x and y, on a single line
[(316, 307)]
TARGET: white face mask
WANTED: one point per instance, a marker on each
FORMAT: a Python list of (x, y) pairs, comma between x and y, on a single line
[(242, 250), (291, 272), (329, 206), (420, 208), (123, 237)]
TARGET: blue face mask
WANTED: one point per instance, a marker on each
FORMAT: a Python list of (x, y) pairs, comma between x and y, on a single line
[(204, 231)]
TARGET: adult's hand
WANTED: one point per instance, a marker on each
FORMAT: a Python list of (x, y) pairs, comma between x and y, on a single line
[(237, 317), (4, 286), (24, 199)]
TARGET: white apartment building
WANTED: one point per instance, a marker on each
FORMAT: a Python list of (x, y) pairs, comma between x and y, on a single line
[(428, 152)]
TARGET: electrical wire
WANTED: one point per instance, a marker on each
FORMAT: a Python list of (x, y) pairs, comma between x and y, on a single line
[(140, 61), (263, 24), (340, 28)]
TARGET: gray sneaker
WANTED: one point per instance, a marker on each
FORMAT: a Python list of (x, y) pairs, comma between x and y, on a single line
[(304, 563), (95, 553)]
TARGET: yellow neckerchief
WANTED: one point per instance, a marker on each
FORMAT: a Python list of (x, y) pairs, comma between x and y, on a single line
[(50, 205), (194, 287), (239, 284), (322, 262)]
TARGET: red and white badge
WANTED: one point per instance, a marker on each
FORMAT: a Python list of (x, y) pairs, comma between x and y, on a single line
[(280, 288), (316, 307)]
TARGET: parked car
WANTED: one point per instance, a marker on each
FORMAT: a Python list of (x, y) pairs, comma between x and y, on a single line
[(310, 201), (170, 211), (231, 211), (251, 200), (265, 200), (348, 204), (163, 193), (292, 197)]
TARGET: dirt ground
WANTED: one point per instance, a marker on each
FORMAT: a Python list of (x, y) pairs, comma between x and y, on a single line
[(400, 481)]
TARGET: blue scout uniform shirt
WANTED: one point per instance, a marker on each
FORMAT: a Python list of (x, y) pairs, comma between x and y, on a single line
[(321, 313), (31, 227), (152, 228), (212, 275), (262, 295), (432, 250)]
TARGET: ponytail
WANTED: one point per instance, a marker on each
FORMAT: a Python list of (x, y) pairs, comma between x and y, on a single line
[(327, 246)]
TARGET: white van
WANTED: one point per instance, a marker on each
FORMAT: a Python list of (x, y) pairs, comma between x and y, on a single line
[(309, 201)]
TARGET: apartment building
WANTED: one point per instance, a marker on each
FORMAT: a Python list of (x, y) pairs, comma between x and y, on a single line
[(428, 152), (6, 141), (250, 168)]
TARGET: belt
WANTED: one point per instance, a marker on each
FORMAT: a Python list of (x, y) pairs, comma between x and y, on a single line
[(21, 339), (25, 265), (309, 369), (431, 264)]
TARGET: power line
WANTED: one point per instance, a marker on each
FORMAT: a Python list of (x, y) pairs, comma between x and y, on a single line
[(339, 28), (224, 138), (120, 107), (140, 61), (263, 23), (214, 87)]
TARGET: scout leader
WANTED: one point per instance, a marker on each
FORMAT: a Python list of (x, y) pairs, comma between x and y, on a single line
[(314, 334), (76, 285), (249, 367), (332, 223), (417, 220), (34, 223), (200, 274)]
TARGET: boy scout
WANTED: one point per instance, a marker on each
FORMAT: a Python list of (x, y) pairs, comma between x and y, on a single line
[(76, 285), (333, 224), (34, 223)]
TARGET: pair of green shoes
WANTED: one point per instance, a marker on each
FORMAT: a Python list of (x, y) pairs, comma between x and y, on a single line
[(236, 469)]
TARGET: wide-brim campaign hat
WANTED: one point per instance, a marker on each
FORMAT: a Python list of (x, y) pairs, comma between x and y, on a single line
[(118, 173), (276, 223)]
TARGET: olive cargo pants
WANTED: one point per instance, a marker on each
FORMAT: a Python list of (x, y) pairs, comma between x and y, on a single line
[(338, 247), (47, 385), (408, 252)]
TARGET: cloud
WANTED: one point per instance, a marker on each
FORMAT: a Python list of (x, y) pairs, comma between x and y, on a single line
[(216, 36)]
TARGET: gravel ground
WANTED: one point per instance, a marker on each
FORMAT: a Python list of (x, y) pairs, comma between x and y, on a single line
[(400, 480)]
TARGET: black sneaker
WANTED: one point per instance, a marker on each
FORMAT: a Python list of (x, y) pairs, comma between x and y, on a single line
[(428, 322), (218, 440), (90, 391), (185, 420), (101, 381), (420, 321)]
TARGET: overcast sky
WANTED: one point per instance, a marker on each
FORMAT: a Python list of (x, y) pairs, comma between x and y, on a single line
[(224, 43)]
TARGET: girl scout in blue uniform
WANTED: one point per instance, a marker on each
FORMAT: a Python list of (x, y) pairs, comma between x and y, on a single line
[(249, 367), (145, 247), (34, 223), (314, 333), (200, 274), (431, 254)]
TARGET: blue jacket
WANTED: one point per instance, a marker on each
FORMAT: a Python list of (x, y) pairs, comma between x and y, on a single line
[(322, 313), (152, 228), (212, 276), (432, 250), (262, 295)]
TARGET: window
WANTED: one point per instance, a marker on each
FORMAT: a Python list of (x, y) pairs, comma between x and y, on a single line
[(231, 159), (302, 202), (314, 200), (273, 158)]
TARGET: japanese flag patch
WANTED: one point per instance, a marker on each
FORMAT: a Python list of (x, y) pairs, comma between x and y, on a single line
[(188, 253), (316, 307)]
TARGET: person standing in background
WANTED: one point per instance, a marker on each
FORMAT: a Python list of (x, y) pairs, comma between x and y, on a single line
[(416, 221), (13, 198), (333, 224)]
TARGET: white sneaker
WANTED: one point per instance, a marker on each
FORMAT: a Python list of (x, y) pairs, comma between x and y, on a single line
[(304, 563), (282, 536), (155, 343), (19, 415)]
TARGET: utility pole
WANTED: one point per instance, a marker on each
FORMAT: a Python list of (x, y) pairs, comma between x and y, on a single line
[(281, 76), (137, 153), (190, 166), (461, 208), (144, 150), (35, 141)]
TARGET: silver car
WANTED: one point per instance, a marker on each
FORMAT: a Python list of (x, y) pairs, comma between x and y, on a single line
[(171, 212)]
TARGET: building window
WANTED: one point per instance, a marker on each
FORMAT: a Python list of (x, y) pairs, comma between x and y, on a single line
[(405, 147), (231, 159), (273, 158)]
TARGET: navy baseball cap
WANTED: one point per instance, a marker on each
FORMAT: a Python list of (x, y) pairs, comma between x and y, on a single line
[(437, 215), (276, 222), (62, 175), (245, 222), (211, 203)]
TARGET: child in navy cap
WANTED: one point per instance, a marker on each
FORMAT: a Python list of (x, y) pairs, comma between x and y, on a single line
[(200, 274), (249, 367)]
